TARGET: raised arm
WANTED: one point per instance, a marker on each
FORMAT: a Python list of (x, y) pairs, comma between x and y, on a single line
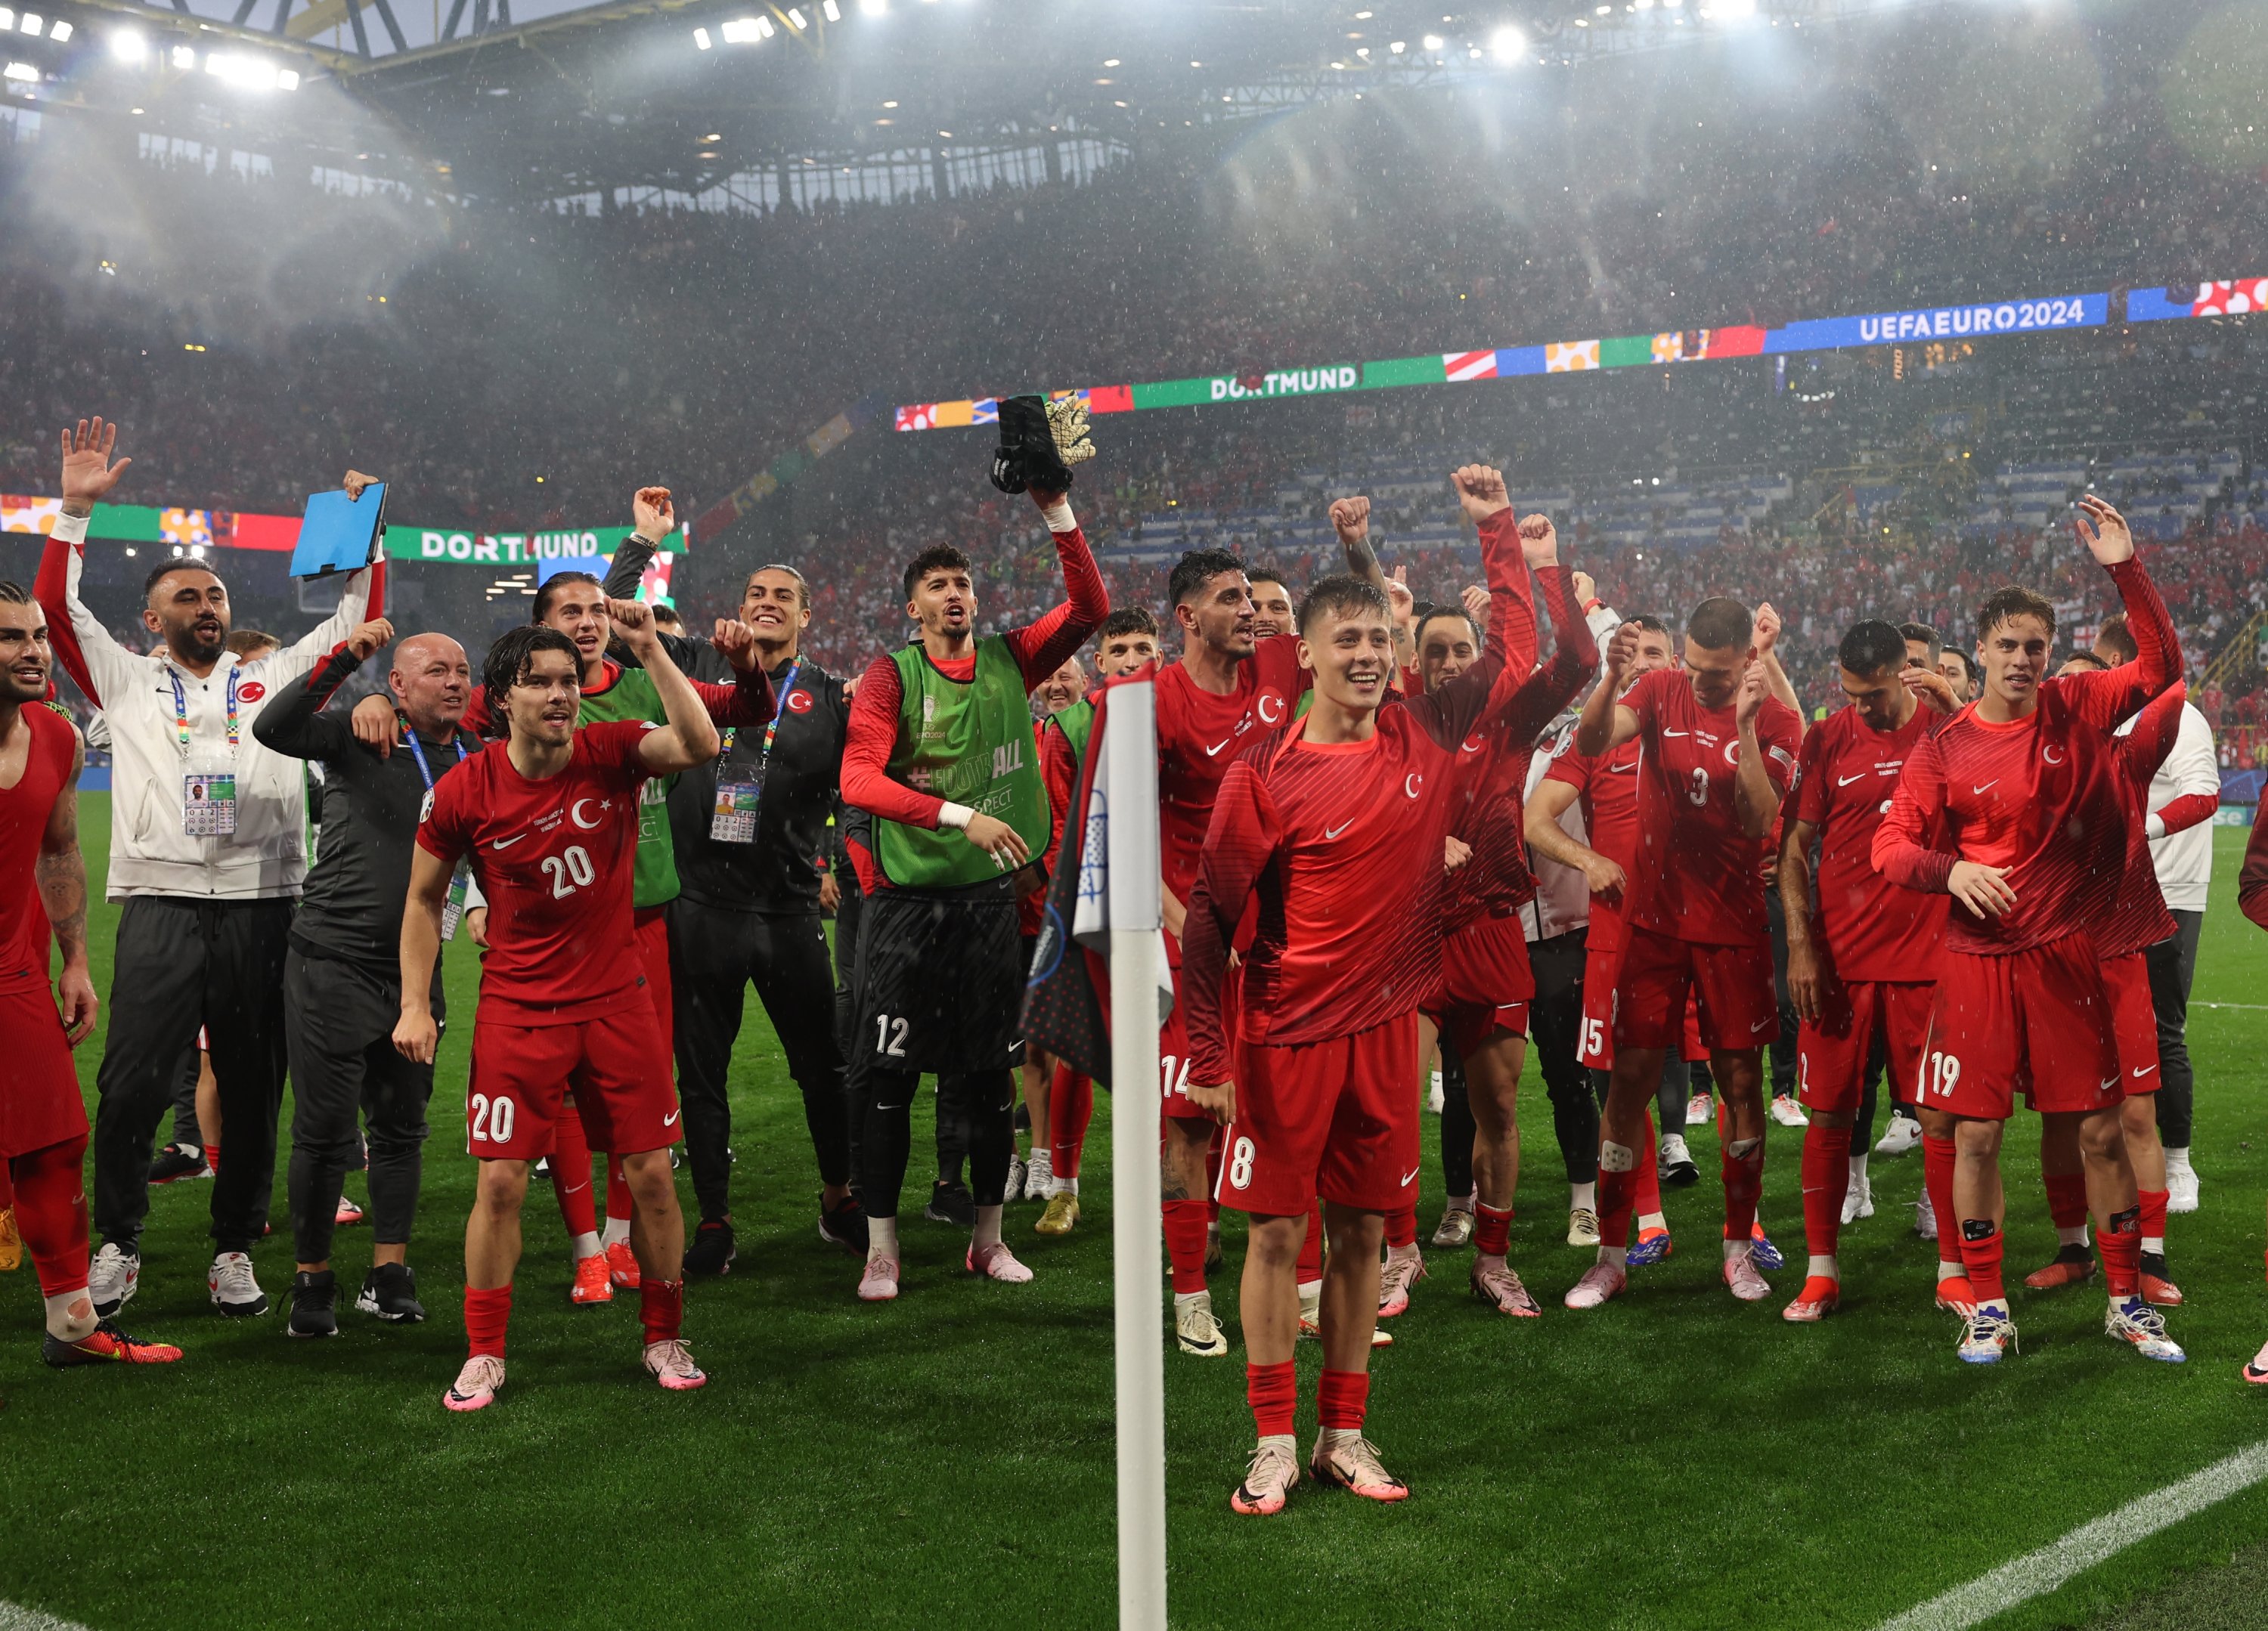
[(653, 516), (1765, 637), (2104, 697), (1539, 697), (60, 872), (1754, 798), (1042, 646), (1350, 520), (690, 737), (1605, 724), (97, 663), (361, 600), (294, 723)]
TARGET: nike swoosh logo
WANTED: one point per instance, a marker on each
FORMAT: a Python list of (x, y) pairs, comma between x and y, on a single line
[(1677, 733), (1216, 746), (1621, 770), (1846, 781), (1333, 832), (670, 1119), (2144, 1069), (1411, 1177), (1995, 781), (1760, 1025), (576, 1189), (506, 843)]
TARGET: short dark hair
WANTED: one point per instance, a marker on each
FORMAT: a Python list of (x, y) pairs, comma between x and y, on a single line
[(2012, 602), (245, 642), (1341, 593), (666, 617), (2084, 656), (178, 563), (1128, 619), (14, 593), (2116, 640), (1267, 573), (1446, 610), (1718, 622), (1649, 622), (1871, 646), (802, 585), (551, 587), (508, 661), (936, 558), (1195, 570), (1924, 632), (1967, 664)]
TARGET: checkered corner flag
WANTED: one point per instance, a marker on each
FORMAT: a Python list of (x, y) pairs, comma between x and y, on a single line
[(1114, 814)]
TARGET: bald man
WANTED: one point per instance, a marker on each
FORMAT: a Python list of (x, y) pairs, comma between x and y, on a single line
[(342, 978)]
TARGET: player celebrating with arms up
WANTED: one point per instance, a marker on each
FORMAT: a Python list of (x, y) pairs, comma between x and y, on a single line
[(2024, 782), (548, 821), (1319, 821)]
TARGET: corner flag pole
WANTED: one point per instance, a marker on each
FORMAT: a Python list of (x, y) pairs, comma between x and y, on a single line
[(1137, 1232)]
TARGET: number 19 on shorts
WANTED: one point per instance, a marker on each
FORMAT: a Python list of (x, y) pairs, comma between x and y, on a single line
[(1940, 1074)]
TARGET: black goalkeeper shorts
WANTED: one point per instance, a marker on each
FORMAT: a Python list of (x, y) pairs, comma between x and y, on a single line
[(941, 982)]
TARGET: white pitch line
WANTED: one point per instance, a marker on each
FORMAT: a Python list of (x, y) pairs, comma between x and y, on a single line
[(2042, 1571), (2250, 1008), (15, 1619)]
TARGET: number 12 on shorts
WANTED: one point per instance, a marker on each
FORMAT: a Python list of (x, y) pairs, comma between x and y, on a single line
[(492, 1119), (1941, 1072)]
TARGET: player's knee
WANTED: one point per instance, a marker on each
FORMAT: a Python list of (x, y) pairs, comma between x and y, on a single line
[(1977, 1139)]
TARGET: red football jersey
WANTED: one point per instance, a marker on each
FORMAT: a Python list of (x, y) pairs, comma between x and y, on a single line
[(1606, 786), (2140, 920), (1846, 778), (1697, 877), (24, 811), (555, 859), (2042, 796), (1492, 768), (1199, 736)]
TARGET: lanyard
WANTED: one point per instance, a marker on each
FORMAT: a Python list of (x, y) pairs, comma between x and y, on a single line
[(182, 709), (418, 751), (771, 727)]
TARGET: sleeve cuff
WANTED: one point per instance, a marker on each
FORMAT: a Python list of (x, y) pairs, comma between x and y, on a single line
[(2155, 826), (70, 529), (1059, 518)]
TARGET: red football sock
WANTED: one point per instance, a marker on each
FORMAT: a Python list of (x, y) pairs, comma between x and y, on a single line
[(1646, 1198), (2066, 1198), (618, 1190), (1402, 1225), (570, 1173), (51, 1213), (7, 1189), (1826, 1180), (1185, 1244), (1342, 1397), (1273, 1392), (212, 1157), (1071, 1106), (1616, 1192), (1980, 1254), (2153, 1202), (1311, 1250), (1491, 1230), (661, 1308), (1937, 1180), (486, 1313), (2120, 1247), (1744, 1186)]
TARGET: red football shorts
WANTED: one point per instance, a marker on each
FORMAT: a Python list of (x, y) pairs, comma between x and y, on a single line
[(1830, 1056), (651, 928), (2036, 1022), (39, 1104), (1174, 1047), (1486, 984), (1594, 1044), (613, 1065), (1337, 1119), (2133, 1022), (1733, 983)]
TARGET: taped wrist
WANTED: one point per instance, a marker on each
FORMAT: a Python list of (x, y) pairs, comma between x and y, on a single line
[(954, 816)]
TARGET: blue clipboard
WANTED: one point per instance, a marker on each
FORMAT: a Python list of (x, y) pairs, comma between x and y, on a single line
[(339, 534)]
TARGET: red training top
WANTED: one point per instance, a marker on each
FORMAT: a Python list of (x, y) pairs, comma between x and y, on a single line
[(1872, 929), (24, 811)]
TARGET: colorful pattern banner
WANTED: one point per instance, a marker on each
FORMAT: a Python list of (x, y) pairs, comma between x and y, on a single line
[(2034, 315)]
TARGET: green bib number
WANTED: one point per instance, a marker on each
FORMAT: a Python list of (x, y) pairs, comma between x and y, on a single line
[(969, 745)]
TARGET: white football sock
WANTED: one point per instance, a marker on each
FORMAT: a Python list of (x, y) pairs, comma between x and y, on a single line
[(2156, 1245), (1951, 1271), (1184, 1299), (1583, 1197), (2071, 1237), (2178, 1160), (1859, 1169), (70, 1316), (584, 1244), (1653, 1220), (1824, 1269), (987, 1231), (881, 1238), (1066, 1187), (618, 1230)]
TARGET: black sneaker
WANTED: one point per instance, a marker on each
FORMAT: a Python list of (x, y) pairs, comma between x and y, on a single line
[(314, 1305), (390, 1291), (1022, 1120), (950, 1204), (712, 1250), (844, 1225), (179, 1161)]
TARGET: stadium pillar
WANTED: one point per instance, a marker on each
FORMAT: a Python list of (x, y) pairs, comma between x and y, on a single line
[(1137, 1230)]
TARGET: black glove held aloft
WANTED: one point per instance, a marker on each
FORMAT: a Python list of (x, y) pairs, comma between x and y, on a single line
[(1040, 441)]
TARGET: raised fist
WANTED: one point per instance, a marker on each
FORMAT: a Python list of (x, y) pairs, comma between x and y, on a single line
[(1622, 649), (1539, 543), (367, 637), (1766, 631), (1586, 588), (1351, 519), (1480, 490), (655, 515)]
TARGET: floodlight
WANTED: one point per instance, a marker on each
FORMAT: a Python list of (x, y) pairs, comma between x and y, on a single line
[(740, 31), (130, 45), (7, 18), (32, 23), (1433, 43), (59, 31), (701, 39), (21, 70), (831, 11), (796, 20), (183, 57), (1507, 44), (873, 8), (288, 79), (1398, 47)]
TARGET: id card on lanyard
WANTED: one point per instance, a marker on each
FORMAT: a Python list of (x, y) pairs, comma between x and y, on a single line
[(732, 819), (452, 909), (208, 797)]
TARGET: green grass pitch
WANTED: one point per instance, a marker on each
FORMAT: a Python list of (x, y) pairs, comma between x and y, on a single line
[(1673, 1460)]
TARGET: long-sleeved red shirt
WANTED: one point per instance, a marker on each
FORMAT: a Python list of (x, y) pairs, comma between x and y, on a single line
[(2140, 920), (871, 734), (2041, 796)]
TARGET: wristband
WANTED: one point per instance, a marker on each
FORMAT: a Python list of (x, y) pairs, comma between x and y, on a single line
[(2155, 826), (70, 529), (954, 816), (1059, 518)]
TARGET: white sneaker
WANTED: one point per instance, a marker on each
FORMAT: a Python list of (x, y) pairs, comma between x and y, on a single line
[(1746, 1281), (1195, 1328), (1583, 1227), (2181, 1188), (670, 1363), (1902, 1134), (2134, 1321), (1040, 1176), (235, 1291), (1600, 1281), (1925, 1218), (1013, 1191), (1700, 1112), (1675, 1161), (1456, 1228), (1986, 1335), (1787, 1113), (1858, 1200), (113, 1279)]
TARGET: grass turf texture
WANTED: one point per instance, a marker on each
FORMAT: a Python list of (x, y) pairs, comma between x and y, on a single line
[(1674, 1459)]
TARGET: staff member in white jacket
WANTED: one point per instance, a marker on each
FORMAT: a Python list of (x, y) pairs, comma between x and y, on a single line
[(207, 852), (2183, 795)]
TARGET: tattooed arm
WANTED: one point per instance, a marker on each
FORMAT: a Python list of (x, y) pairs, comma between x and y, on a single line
[(60, 872)]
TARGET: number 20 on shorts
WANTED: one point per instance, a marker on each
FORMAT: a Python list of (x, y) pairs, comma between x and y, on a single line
[(492, 1119)]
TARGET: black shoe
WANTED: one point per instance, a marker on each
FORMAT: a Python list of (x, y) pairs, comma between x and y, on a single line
[(1022, 1120), (390, 1291), (712, 1250), (314, 1305), (179, 1161), (844, 1225), (950, 1204)]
